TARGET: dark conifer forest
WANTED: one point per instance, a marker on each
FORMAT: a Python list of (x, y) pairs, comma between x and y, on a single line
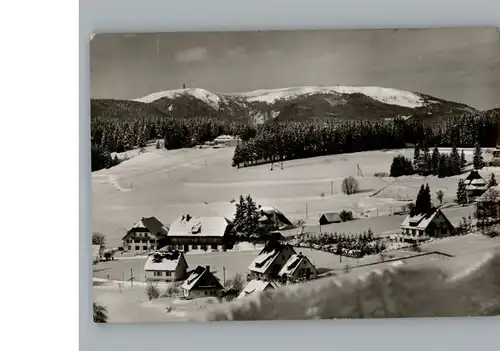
[(286, 140)]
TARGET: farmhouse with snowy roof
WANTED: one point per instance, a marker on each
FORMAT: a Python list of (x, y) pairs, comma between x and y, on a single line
[(146, 235), (434, 224), (475, 186), (298, 266), (272, 218), (488, 204), (201, 283), (165, 266), (255, 287), (200, 233), (329, 217), (270, 260)]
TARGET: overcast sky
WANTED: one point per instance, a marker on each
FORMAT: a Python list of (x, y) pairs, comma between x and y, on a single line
[(462, 65)]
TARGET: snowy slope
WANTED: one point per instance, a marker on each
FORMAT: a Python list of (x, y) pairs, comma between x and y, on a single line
[(201, 94), (385, 95)]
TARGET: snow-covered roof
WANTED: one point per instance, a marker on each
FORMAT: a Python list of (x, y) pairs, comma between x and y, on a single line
[(492, 194), (256, 286), (199, 226), (420, 221), (149, 224), (194, 279), (163, 261), (267, 256), (293, 264), (331, 216)]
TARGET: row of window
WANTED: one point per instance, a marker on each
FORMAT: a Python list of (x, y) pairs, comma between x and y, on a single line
[(160, 273), (138, 248), (141, 241)]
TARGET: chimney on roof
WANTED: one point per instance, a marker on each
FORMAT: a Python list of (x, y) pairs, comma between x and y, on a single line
[(188, 217), (207, 268)]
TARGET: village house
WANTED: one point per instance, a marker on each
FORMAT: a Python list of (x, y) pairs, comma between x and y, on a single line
[(475, 186), (329, 217), (146, 235), (488, 204), (165, 267), (298, 266), (200, 233), (227, 140), (202, 283), (435, 224), (256, 286), (273, 219), (270, 260)]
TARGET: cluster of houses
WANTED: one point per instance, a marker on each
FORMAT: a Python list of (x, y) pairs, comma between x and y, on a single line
[(189, 233), (276, 264)]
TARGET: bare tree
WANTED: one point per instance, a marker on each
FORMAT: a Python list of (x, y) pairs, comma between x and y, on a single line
[(98, 239), (350, 185), (440, 195)]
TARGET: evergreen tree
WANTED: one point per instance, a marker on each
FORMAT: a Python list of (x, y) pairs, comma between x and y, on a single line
[(463, 161), (492, 181), (419, 201), (435, 160), (240, 216), (478, 157), (455, 163), (427, 200), (416, 158), (443, 167), (461, 194), (401, 166), (425, 162), (252, 216)]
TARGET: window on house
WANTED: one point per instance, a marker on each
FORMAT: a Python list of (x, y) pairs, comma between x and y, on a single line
[(157, 273), (206, 292), (137, 247), (195, 247), (413, 232), (203, 247), (130, 248), (144, 247), (168, 273)]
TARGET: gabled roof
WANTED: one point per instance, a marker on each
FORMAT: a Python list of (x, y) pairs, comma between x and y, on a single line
[(198, 275), (473, 175), (149, 224), (199, 226), (267, 256), (256, 286), (331, 216), (163, 261), (421, 221), (270, 212), (492, 194), (293, 263)]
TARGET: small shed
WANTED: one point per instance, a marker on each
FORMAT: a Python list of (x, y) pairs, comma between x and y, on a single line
[(329, 217)]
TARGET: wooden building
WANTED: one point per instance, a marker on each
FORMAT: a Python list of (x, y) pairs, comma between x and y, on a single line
[(200, 233), (435, 224), (165, 267), (202, 283), (298, 266), (270, 260), (146, 235)]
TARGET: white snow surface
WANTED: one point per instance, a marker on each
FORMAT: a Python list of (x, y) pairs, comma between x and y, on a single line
[(385, 95), (201, 94)]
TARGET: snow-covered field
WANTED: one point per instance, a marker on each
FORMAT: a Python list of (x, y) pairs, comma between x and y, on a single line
[(202, 182), (470, 286)]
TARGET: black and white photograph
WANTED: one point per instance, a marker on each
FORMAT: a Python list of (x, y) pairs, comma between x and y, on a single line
[(295, 175)]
